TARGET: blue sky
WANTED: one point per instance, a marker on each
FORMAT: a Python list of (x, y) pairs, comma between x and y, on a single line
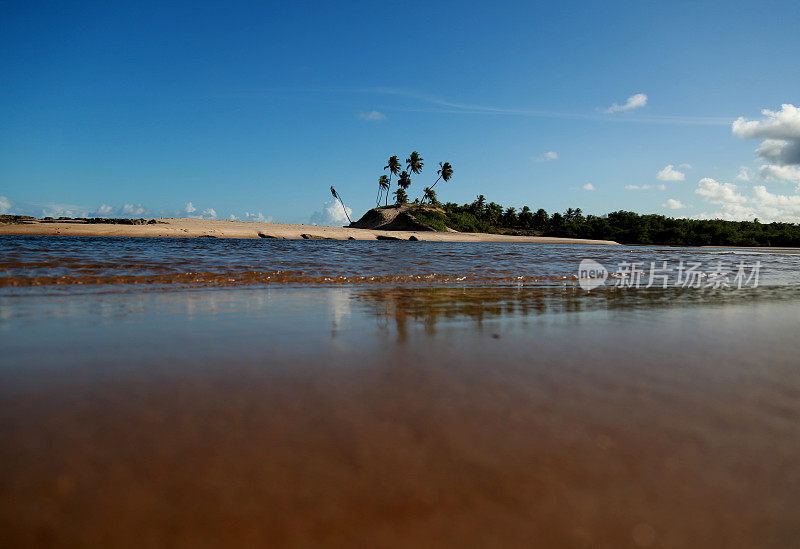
[(255, 109)]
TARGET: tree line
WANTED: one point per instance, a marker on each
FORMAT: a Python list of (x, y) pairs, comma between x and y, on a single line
[(622, 226)]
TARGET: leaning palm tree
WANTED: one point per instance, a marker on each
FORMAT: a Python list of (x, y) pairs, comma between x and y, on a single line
[(414, 163), (445, 172), (429, 194), (394, 169), (337, 197), (383, 186)]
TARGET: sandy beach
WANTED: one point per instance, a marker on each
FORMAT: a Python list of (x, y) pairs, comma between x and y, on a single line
[(188, 228)]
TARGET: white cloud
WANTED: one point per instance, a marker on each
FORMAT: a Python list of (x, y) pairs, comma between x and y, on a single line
[(45, 209), (131, 209), (634, 102), (52, 209), (331, 214), (780, 148), (718, 193), (745, 173), (660, 187), (764, 197), (735, 212), (672, 204), (192, 212), (372, 116), (780, 151), (782, 124), (776, 207), (735, 206), (781, 173), (588, 187), (669, 173), (547, 156), (252, 216), (685, 166), (127, 210)]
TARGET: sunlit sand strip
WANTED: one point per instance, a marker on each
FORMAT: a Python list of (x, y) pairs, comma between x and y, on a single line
[(174, 227)]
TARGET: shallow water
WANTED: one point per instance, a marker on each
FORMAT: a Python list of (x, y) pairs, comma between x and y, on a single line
[(392, 414), (92, 261)]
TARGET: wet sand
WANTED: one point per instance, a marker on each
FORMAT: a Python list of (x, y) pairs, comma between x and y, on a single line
[(172, 227), (398, 417)]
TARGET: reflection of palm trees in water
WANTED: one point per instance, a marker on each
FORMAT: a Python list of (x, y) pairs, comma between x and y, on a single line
[(428, 307), (382, 318)]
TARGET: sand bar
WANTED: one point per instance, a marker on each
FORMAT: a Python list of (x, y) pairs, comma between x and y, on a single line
[(181, 227)]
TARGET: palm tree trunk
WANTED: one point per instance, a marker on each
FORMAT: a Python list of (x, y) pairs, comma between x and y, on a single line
[(432, 186), (345, 211), (339, 198)]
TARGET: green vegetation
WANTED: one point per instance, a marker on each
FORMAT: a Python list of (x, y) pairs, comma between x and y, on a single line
[(624, 227), (383, 187), (394, 169), (434, 219), (403, 182), (414, 164)]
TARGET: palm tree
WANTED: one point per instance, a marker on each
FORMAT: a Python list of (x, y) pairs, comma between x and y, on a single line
[(337, 197), (414, 163), (401, 196), (477, 207), (445, 172), (526, 218), (494, 211), (403, 182), (510, 217), (383, 185), (540, 219), (429, 194), (394, 168)]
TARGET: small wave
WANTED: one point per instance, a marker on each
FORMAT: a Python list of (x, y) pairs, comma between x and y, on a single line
[(273, 277)]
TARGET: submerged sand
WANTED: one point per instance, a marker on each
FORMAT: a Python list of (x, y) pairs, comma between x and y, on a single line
[(183, 227), (398, 418)]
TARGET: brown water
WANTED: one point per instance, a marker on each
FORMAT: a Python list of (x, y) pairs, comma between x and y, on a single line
[(398, 414), (73, 263)]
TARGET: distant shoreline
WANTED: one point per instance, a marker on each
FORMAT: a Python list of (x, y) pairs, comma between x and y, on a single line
[(196, 228)]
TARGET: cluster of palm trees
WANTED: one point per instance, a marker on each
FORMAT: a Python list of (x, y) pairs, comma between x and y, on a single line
[(414, 165)]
